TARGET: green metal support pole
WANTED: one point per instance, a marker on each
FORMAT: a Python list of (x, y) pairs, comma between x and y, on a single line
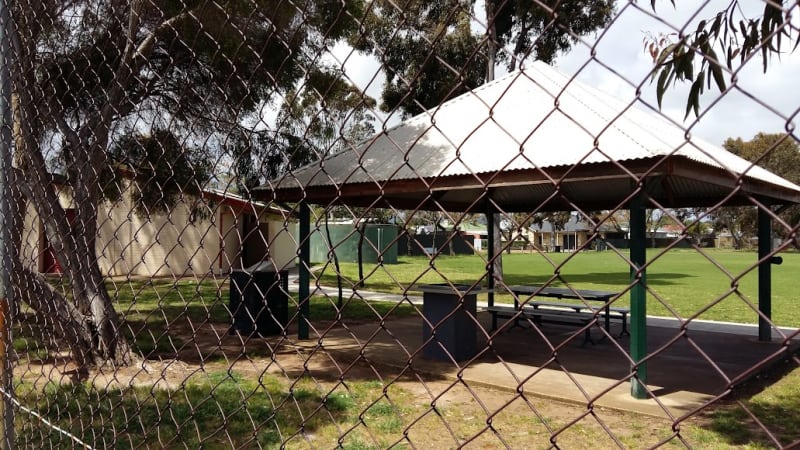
[(6, 139), (490, 257), (304, 271), (764, 275), (638, 244)]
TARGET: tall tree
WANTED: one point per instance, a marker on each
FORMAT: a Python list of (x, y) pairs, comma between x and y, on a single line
[(431, 53), (778, 153), (322, 115), (87, 72)]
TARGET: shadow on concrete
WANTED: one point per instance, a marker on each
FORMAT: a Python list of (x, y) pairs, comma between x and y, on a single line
[(685, 370)]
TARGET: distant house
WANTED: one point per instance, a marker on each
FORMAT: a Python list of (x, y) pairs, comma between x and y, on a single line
[(212, 233), (477, 232), (573, 235)]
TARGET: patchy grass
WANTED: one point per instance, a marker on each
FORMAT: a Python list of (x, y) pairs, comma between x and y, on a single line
[(227, 409), (157, 311), (217, 410), (161, 316), (716, 285), (773, 398), (189, 302), (29, 348)]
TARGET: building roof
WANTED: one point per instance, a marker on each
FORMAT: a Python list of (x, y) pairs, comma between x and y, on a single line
[(574, 224), (534, 139), (240, 203)]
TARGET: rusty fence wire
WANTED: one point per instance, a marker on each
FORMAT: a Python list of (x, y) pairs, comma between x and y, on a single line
[(374, 224)]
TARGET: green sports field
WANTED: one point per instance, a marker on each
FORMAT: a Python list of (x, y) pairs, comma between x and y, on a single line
[(714, 285)]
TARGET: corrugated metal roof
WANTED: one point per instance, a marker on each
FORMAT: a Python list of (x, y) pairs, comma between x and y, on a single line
[(530, 120)]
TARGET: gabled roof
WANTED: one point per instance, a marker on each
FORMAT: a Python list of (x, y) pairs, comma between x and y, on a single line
[(534, 139)]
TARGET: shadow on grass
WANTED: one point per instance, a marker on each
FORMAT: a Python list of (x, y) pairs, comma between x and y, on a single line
[(611, 278), (209, 410), (773, 397), (620, 279), (168, 330)]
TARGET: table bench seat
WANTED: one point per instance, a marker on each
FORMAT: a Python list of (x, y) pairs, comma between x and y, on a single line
[(549, 315), (564, 314), (615, 312)]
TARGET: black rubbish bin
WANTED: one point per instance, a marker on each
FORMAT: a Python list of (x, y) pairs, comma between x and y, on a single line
[(557, 249), (452, 312), (259, 300)]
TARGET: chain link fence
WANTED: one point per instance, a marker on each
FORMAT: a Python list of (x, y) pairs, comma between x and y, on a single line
[(372, 224)]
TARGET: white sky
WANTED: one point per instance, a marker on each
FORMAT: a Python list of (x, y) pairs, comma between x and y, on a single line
[(737, 114)]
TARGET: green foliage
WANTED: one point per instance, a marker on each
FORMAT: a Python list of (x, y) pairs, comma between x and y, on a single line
[(717, 43), (233, 54), (145, 84), (778, 153), (431, 54), (164, 168), (205, 67), (324, 115), (542, 30)]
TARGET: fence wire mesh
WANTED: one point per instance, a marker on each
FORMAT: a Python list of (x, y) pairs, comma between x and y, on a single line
[(425, 224)]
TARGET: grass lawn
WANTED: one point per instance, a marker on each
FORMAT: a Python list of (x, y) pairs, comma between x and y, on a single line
[(715, 286)]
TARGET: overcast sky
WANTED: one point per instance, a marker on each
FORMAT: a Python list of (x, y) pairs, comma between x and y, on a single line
[(736, 114)]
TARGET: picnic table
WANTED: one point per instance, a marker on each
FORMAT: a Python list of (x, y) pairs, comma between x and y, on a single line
[(545, 311)]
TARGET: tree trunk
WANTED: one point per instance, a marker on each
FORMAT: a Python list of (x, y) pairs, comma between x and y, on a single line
[(92, 336), (491, 35), (737, 241), (497, 251), (491, 40), (85, 321), (340, 299)]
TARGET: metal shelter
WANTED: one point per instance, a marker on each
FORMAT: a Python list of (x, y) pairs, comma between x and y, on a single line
[(538, 140)]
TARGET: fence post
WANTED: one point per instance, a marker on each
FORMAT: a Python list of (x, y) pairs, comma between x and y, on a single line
[(490, 257), (6, 410)]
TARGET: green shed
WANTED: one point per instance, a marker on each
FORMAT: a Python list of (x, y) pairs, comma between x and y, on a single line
[(379, 240)]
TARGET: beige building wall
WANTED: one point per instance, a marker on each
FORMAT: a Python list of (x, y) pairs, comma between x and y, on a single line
[(545, 240), (169, 244), (176, 243), (113, 231), (283, 243), (33, 241)]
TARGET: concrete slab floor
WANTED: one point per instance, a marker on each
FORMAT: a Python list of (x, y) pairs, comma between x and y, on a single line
[(685, 371)]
